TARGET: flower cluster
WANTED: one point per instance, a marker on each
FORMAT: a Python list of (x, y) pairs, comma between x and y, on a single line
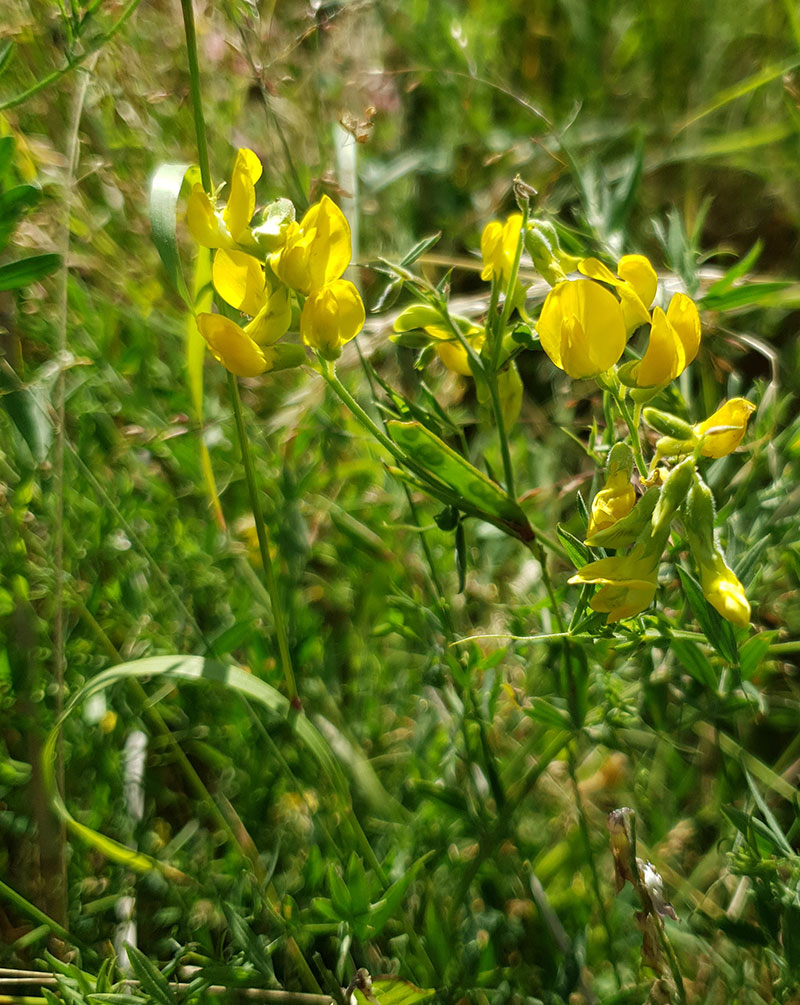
[(268, 267), (584, 328)]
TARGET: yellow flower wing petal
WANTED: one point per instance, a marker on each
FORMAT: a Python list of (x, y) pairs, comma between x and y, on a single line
[(239, 280), (454, 356), (232, 346), (724, 592), (593, 268), (205, 226), (273, 320), (491, 241), (665, 356), (640, 275), (682, 315), (242, 197)]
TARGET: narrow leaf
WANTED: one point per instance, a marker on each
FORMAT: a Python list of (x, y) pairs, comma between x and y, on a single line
[(454, 471), (165, 191), (27, 270), (718, 631)]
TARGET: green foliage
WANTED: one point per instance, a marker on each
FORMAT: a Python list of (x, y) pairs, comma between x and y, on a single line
[(437, 812)]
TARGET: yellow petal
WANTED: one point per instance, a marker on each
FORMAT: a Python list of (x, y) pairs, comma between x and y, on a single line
[(290, 264), (332, 316), (330, 250), (734, 414), (454, 356), (640, 275), (613, 502), (239, 280), (581, 328), (491, 240), (665, 357), (594, 269), (682, 315), (205, 226), (232, 346), (242, 197), (724, 592), (499, 247), (273, 320)]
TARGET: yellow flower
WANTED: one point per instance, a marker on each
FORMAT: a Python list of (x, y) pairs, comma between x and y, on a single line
[(636, 282), (499, 247), (582, 328), (674, 341), (317, 250), (629, 583), (724, 592), (613, 502), (240, 280), (449, 349), (724, 430), (331, 317), (229, 228)]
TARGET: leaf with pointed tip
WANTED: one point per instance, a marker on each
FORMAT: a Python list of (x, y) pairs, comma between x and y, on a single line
[(455, 471), (165, 191)]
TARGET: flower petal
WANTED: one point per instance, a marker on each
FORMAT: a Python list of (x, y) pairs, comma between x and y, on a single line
[(205, 225), (665, 356), (332, 316), (682, 315), (640, 275), (273, 320), (232, 346), (242, 197), (581, 328), (734, 414), (330, 251), (239, 280)]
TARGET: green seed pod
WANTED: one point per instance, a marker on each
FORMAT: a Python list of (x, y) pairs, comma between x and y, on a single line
[(674, 493), (668, 424)]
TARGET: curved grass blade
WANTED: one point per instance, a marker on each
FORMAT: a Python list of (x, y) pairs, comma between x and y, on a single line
[(193, 669), (165, 191)]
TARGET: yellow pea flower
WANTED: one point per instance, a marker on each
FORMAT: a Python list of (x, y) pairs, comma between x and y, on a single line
[(582, 328), (629, 583), (448, 348), (724, 430), (240, 280), (332, 316), (724, 592), (613, 502), (636, 282), (317, 250), (229, 228), (499, 247), (674, 341)]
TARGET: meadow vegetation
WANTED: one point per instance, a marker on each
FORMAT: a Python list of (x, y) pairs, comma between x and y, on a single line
[(399, 563)]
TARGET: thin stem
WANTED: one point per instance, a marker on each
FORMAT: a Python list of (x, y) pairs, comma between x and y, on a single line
[(538, 550), (584, 828), (197, 97), (264, 545), (633, 428)]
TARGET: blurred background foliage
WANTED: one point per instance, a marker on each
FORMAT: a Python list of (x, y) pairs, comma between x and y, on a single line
[(665, 128)]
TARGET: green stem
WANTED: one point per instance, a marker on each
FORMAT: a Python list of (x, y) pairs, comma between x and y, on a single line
[(587, 841), (264, 545), (197, 97), (633, 428), (538, 550)]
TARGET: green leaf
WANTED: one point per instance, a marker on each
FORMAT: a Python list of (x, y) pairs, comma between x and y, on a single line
[(246, 940), (383, 911), (27, 270), (542, 711), (753, 652), (748, 295), (454, 471), (6, 54), (420, 248), (578, 553), (7, 146), (165, 191), (461, 555), (718, 631), (150, 978), (394, 991), (694, 662), (737, 270), (28, 408), (357, 885), (13, 204)]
